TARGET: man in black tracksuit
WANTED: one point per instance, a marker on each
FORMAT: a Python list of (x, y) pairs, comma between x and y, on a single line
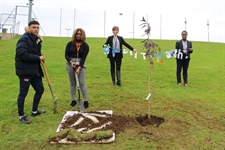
[(184, 49), (28, 69)]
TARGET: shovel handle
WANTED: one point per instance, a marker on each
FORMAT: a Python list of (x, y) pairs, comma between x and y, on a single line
[(54, 98), (45, 71)]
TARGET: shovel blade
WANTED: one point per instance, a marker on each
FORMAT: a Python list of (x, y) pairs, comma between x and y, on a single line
[(80, 105), (55, 105)]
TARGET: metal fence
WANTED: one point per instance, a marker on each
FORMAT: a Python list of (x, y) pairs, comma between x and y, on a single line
[(99, 23)]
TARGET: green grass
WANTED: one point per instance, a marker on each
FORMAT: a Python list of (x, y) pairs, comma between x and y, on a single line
[(194, 115)]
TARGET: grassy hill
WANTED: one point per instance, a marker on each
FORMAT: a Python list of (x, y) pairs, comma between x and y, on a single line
[(194, 115)]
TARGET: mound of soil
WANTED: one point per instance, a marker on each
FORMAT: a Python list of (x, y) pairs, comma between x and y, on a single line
[(119, 123), (98, 127)]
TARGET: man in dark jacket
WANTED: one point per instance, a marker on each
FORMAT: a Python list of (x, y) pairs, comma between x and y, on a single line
[(28, 69), (184, 49)]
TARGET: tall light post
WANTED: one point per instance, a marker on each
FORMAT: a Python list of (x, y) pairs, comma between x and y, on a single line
[(185, 22), (120, 20), (30, 10), (160, 27), (208, 29), (74, 19), (104, 21), (60, 22), (133, 24)]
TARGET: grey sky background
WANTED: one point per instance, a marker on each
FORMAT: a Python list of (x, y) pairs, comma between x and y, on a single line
[(89, 15)]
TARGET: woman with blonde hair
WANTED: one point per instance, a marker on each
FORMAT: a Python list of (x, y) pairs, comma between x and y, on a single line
[(75, 53), (116, 54)]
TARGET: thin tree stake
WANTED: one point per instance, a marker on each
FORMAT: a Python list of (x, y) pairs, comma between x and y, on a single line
[(149, 100)]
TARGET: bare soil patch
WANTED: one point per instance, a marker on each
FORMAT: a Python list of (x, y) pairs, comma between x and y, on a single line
[(103, 122)]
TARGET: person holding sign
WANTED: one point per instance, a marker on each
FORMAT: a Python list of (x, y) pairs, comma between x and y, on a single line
[(183, 51), (115, 54)]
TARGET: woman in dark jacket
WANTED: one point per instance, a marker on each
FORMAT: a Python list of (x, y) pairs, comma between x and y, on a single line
[(116, 54), (75, 54)]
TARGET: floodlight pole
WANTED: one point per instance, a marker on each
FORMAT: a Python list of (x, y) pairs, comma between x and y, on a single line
[(104, 21), (133, 24), (60, 22), (30, 10), (185, 22), (208, 29), (74, 19), (160, 27), (120, 14)]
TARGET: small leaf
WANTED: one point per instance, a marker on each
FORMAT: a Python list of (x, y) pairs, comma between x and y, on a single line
[(143, 26)]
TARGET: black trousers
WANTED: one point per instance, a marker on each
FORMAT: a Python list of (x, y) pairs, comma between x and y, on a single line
[(25, 83), (113, 61), (182, 64)]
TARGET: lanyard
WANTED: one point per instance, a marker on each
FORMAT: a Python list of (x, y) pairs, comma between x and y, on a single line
[(78, 48)]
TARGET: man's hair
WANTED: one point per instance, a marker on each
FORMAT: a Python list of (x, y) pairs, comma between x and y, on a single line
[(184, 31), (115, 28), (83, 35), (33, 22)]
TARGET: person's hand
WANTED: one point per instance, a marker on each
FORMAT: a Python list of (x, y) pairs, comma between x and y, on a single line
[(42, 58), (78, 70), (134, 50), (190, 49), (73, 64), (105, 45)]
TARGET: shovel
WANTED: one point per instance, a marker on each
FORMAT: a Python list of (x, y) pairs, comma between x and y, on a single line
[(54, 98), (79, 102)]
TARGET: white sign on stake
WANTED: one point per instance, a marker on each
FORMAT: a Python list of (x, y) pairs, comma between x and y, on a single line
[(143, 54), (148, 96), (131, 53), (135, 55)]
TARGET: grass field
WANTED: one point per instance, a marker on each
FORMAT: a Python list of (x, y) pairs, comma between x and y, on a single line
[(194, 115)]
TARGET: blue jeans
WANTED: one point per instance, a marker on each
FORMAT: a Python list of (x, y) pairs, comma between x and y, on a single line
[(25, 83)]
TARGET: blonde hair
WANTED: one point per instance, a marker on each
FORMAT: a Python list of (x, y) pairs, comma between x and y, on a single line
[(115, 28), (83, 35)]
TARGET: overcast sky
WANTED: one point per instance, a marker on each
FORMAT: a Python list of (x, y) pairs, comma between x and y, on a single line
[(166, 17)]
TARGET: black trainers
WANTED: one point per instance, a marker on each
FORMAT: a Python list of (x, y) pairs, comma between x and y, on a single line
[(86, 104), (25, 120), (73, 103), (38, 113)]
